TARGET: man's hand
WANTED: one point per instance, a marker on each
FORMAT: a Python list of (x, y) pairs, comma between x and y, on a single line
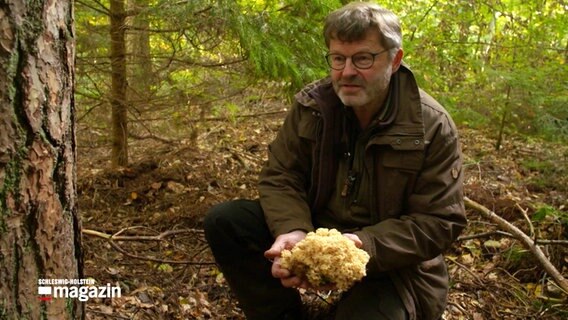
[(285, 242), (355, 238)]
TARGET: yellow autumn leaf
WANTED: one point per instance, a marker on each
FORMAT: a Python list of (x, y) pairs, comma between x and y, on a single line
[(534, 289)]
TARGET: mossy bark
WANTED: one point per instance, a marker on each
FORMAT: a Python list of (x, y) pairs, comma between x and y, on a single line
[(39, 224)]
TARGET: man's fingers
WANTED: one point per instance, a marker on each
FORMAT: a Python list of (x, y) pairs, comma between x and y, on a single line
[(353, 237), (284, 241), (271, 253), (275, 250), (286, 278), (278, 271), (291, 282)]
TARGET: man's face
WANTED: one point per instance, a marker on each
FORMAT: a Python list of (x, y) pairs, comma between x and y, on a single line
[(362, 88)]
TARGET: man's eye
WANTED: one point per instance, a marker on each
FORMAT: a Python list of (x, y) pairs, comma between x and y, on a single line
[(362, 59), (338, 59)]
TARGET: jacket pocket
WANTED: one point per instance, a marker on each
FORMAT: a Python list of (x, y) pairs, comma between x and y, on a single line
[(406, 152), (397, 173), (308, 127), (407, 161)]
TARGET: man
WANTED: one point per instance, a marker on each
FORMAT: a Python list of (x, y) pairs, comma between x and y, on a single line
[(364, 151)]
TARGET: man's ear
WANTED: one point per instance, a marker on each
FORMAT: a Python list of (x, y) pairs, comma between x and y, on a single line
[(396, 61)]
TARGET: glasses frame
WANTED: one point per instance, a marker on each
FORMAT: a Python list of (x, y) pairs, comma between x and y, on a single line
[(352, 61)]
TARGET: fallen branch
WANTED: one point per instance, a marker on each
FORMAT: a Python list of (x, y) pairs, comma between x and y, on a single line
[(254, 115), (117, 237), (485, 235), (528, 220), (478, 279), (508, 235), (112, 238), (525, 240), (131, 255)]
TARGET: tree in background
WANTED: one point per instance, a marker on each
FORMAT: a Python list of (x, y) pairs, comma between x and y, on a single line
[(498, 64), (184, 59), (39, 224), (118, 83)]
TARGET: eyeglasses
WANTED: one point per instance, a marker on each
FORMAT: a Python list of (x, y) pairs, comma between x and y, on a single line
[(361, 60)]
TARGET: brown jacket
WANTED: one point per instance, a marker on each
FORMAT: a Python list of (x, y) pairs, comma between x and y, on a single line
[(419, 208)]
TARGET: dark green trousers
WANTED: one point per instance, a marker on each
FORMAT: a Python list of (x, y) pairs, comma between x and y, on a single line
[(238, 236)]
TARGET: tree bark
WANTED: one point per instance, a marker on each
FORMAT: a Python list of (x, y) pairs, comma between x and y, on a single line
[(119, 154), (141, 62), (39, 225)]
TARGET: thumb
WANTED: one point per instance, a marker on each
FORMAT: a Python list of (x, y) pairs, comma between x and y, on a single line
[(273, 252), (353, 237)]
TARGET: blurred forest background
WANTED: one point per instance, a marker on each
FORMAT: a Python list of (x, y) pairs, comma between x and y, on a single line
[(177, 100), (158, 68)]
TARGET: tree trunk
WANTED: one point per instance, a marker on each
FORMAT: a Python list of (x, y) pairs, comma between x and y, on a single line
[(141, 63), (119, 154), (39, 224), (504, 117)]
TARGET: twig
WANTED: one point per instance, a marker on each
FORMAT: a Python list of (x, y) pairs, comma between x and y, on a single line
[(239, 158), (529, 222), (558, 242), (118, 237), (476, 277), (457, 306), (484, 235), (521, 236), (112, 238), (255, 115), (507, 234), (324, 296), (131, 255)]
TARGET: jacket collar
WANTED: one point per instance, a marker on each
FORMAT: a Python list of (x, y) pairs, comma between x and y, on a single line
[(318, 94), (405, 97)]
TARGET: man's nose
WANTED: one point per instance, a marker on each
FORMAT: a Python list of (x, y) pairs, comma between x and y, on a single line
[(350, 68)]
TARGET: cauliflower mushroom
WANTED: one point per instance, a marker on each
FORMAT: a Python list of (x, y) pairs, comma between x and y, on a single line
[(326, 257)]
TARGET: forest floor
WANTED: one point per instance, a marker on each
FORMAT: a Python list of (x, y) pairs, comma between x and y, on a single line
[(154, 210)]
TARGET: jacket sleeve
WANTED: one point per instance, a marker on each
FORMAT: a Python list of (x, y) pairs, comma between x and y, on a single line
[(434, 213), (283, 182)]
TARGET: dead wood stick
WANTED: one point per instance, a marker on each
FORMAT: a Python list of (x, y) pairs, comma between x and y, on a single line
[(525, 240), (508, 235), (135, 256), (254, 115), (111, 238), (118, 237)]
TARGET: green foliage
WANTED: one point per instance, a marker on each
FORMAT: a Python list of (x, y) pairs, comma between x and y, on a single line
[(544, 167), (552, 128), (485, 59), (283, 39), (549, 173), (191, 55), (515, 255), (544, 211), (164, 267), (229, 110), (482, 60)]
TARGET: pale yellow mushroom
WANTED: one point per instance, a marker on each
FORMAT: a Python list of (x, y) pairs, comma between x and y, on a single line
[(327, 257)]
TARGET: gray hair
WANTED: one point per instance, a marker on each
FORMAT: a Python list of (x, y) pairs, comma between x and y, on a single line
[(353, 21)]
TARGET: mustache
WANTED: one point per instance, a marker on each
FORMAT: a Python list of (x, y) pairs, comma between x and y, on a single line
[(354, 81), (351, 83)]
